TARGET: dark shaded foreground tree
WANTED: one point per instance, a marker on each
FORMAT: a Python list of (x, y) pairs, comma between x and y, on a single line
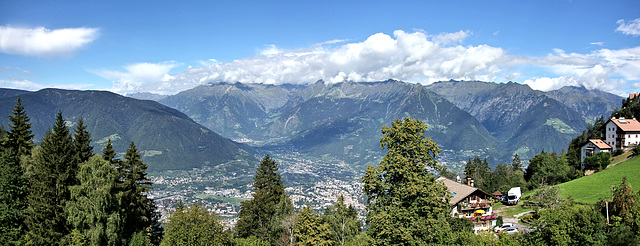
[(194, 225), (139, 211), (406, 206), (53, 174), (13, 203), (265, 215)]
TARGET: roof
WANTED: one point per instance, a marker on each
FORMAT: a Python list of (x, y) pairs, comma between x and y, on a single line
[(627, 125), (459, 191), (599, 143), (497, 193)]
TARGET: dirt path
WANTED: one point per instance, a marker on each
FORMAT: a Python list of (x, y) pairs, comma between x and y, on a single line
[(515, 220)]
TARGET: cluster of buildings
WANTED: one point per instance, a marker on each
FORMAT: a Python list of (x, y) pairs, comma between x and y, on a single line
[(617, 134)]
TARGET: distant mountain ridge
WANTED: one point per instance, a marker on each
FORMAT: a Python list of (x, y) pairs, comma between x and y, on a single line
[(344, 119), (166, 138)]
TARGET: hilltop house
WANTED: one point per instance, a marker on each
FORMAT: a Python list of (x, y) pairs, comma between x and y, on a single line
[(621, 133), (470, 202), (593, 147)]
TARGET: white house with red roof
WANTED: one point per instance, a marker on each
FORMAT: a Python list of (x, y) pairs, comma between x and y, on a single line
[(593, 147), (621, 133)]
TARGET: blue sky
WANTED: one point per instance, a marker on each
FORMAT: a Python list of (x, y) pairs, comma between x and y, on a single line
[(169, 46)]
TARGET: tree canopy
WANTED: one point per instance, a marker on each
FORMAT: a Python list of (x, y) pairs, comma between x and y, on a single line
[(405, 203)]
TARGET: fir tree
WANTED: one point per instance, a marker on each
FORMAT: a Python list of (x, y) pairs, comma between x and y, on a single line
[(13, 193), (109, 154), (82, 143), (140, 211), (20, 138), (406, 206), (54, 173), (264, 215)]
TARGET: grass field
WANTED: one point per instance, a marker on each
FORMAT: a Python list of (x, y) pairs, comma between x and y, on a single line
[(596, 187), (214, 198)]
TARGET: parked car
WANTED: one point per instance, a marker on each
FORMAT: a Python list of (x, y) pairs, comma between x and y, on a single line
[(502, 227), (511, 230)]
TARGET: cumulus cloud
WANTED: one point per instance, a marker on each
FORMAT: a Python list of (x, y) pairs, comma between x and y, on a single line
[(407, 56), (404, 56), (44, 42), (139, 77), (629, 28)]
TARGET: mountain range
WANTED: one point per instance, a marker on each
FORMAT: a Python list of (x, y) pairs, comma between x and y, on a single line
[(333, 121), (165, 137), (343, 120)]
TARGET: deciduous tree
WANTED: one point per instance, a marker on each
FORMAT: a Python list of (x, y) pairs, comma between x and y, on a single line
[(312, 229), (405, 204), (194, 225)]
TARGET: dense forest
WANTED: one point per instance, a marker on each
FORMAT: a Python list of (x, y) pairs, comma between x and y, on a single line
[(62, 193)]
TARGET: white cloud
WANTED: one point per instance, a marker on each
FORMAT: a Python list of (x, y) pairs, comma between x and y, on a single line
[(413, 57), (597, 43), (25, 84), (44, 42), (405, 56), (629, 28), (139, 77)]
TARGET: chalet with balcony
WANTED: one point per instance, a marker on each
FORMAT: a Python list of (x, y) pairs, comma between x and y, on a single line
[(591, 148), (621, 133), (470, 202)]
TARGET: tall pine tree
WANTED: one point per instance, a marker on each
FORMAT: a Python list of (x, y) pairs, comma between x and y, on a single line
[(140, 211), (20, 138), (82, 143), (54, 173), (264, 215), (13, 185), (13, 193)]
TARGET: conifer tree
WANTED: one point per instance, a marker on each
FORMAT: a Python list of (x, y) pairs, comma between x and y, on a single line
[(109, 154), (139, 210), (406, 206), (265, 213), (54, 173), (13, 193), (82, 143), (20, 138)]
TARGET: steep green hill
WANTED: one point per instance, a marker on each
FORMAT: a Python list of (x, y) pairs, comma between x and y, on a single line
[(166, 138), (596, 187)]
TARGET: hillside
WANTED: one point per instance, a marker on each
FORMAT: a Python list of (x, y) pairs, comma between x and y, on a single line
[(596, 187), (166, 138)]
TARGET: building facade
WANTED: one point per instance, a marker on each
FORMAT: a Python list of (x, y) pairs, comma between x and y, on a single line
[(621, 133), (593, 147)]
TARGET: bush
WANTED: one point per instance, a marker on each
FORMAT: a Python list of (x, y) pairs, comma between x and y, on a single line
[(636, 150)]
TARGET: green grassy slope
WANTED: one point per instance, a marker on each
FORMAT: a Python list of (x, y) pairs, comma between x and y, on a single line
[(596, 187)]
